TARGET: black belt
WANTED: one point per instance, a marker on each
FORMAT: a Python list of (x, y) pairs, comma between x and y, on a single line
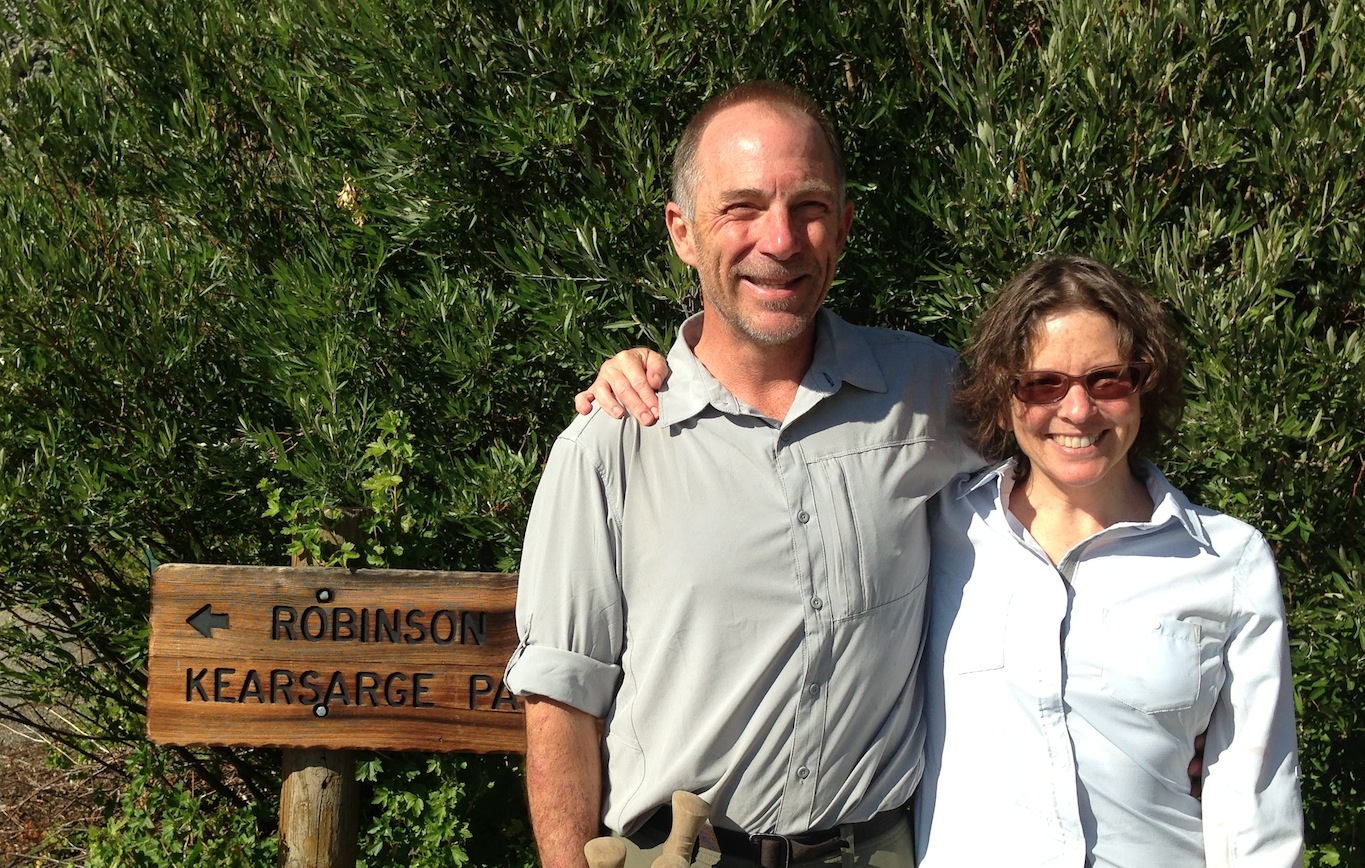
[(768, 850)]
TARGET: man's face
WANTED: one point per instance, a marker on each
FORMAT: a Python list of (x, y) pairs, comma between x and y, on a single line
[(768, 228)]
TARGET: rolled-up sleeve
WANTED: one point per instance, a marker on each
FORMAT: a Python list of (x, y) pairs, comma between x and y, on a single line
[(569, 608), (1252, 809)]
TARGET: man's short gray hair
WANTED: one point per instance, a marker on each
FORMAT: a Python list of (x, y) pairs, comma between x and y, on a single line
[(686, 172)]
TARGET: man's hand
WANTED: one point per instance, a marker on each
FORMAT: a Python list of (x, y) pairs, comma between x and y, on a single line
[(563, 780), (627, 382)]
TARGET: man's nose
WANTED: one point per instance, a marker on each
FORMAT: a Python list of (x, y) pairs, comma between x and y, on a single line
[(778, 234)]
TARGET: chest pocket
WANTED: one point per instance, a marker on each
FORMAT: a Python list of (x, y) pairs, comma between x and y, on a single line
[(872, 523), (1150, 663), (969, 621)]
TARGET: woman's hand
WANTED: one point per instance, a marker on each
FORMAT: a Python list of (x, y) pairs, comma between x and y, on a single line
[(627, 382)]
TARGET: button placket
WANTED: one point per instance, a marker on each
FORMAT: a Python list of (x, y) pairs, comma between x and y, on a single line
[(807, 742)]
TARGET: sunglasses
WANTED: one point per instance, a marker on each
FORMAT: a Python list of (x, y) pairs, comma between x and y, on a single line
[(1102, 384)]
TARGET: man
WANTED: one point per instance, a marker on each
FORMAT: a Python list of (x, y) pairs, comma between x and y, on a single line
[(730, 602)]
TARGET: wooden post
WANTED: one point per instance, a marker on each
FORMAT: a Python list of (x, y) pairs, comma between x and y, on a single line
[(319, 799), (319, 809)]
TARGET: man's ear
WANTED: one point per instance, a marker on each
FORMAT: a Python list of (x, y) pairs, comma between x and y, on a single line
[(680, 230)]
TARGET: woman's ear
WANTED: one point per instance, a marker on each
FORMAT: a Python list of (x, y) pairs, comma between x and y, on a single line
[(1005, 421)]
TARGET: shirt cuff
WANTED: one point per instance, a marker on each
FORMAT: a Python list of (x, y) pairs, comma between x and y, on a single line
[(573, 679)]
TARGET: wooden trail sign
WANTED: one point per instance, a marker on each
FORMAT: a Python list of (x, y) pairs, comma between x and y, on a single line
[(317, 657)]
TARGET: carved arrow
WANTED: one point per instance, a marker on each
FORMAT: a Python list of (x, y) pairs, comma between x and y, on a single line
[(205, 620)]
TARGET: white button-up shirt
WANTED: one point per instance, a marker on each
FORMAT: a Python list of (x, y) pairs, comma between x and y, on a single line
[(1062, 701)]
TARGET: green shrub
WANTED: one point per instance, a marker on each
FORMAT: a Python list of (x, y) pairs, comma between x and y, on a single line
[(159, 821), (268, 262)]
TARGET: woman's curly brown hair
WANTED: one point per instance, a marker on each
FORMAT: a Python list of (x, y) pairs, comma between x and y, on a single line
[(1002, 345)]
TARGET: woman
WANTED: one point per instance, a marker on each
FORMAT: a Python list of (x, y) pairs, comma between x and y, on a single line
[(1087, 621)]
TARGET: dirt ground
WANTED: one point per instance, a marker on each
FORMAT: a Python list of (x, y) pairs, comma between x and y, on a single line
[(37, 800)]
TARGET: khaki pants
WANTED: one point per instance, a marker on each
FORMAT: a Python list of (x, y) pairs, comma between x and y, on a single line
[(894, 848)]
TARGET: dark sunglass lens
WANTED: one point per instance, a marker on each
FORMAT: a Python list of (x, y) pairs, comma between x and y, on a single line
[(1041, 388), (1109, 383)]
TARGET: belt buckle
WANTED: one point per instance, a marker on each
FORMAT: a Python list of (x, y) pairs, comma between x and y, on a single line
[(771, 851)]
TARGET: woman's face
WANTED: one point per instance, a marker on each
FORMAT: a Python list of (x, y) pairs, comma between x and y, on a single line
[(1079, 445)]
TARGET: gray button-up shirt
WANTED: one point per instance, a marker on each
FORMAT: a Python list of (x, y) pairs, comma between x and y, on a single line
[(741, 599)]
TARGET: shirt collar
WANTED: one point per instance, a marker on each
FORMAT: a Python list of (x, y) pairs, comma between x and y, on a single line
[(1170, 502), (992, 476), (842, 355)]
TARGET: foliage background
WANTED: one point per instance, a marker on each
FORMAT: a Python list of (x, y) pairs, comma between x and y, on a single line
[(263, 261)]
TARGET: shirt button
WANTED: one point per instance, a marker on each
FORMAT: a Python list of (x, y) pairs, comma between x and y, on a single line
[(803, 516), (815, 690), (784, 437), (817, 603), (803, 773)]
